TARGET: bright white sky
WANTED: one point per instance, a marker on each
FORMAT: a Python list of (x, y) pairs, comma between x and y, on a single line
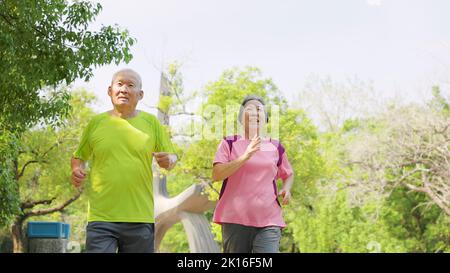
[(402, 46)]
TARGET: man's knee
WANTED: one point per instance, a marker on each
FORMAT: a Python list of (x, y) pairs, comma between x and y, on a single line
[(137, 238), (100, 238)]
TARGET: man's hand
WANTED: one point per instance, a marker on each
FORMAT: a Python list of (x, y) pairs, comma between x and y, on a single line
[(165, 160), (78, 176)]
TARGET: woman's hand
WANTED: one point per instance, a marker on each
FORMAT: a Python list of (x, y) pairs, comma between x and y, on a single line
[(252, 148), (286, 194), (223, 170)]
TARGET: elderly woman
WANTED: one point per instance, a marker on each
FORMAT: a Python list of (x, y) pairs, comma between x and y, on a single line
[(248, 208)]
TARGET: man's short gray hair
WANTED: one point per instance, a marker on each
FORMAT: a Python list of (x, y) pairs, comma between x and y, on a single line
[(128, 70)]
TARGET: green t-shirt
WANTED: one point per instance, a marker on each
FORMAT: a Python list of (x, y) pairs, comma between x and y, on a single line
[(121, 188)]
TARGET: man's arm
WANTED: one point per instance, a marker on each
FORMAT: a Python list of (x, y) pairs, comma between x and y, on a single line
[(78, 171)]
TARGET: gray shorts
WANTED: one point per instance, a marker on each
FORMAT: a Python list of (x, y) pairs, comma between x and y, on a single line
[(106, 237), (244, 239)]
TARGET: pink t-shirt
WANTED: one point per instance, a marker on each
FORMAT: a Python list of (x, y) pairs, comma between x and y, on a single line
[(250, 196)]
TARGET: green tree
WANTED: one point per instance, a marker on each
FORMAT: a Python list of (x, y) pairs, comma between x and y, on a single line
[(43, 44), (352, 216), (350, 212), (43, 173), (439, 102)]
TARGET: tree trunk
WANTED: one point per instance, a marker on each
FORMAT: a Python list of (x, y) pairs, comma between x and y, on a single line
[(293, 248), (16, 228), (17, 236)]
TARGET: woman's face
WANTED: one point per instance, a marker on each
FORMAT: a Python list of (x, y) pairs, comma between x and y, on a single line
[(254, 115)]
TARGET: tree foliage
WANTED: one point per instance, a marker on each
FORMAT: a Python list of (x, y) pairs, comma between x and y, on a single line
[(42, 45)]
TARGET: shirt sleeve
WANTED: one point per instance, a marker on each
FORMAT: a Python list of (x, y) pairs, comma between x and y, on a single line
[(84, 149), (163, 142), (285, 169), (222, 153)]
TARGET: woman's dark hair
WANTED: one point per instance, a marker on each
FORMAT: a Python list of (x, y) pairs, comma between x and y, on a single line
[(249, 98)]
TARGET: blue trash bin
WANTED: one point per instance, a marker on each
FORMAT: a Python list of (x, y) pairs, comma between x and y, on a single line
[(48, 230), (47, 237)]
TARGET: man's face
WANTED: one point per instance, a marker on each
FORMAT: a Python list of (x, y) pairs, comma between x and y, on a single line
[(125, 90)]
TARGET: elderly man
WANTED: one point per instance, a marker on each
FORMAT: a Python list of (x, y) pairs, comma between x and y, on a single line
[(121, 144)]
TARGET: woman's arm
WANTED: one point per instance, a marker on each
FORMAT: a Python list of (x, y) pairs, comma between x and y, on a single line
[(223, 170), (285, 191)]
